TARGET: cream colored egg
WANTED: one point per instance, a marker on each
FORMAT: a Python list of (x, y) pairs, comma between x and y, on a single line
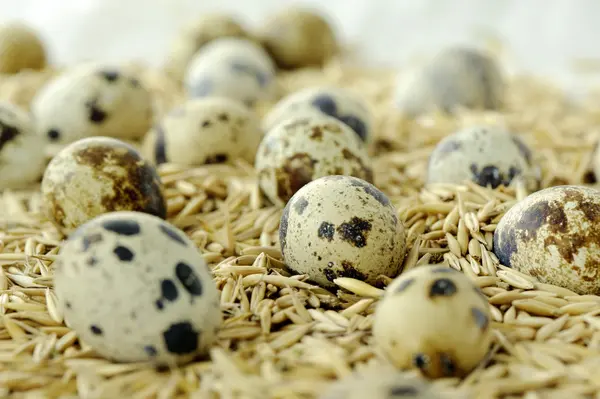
[(90, 101), (489, 156), (135, 289), (554, 235), (341, 226), (455, 77), (205, 130), (299, 37), (342, 104), (435, 319), (98, 175), (302, 149), (20, 48), (21, 152), (235, 68)]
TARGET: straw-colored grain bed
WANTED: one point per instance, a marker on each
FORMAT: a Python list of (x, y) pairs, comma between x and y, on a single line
[(280, 335)]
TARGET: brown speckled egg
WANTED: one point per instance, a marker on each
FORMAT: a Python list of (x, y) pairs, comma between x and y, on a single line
[(20, 48), (98, 175), (435, 319), (341, 226), (455, 77), (203, 131), (302, 149), (554, 235), (297, 37)]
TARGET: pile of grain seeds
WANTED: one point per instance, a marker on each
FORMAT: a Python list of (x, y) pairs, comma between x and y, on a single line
[(285, 336)]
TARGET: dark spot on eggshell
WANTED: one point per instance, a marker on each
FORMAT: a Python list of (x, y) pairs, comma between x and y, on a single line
[(361, 171), (300, 205), (110, 76), (160, 145), (444, 148), (181, 338), (168, 290), (172, 234), (316, 133), (124, 227), (421, 361), (350, 271), (443, 270), (355, 231), (442, 287), (356, 124), (159, 304), (216, 158), (53, 134), (523, 148), (92, 261), (326, 104), (7, 133), (371, 190), (329, 274), (404, 285), (447, 365), (295, 173), (68, 305), (488, 176), (223, 117), (190, 281), (96, 330), (150, 350), (326, 231), (123, 253), (481, 319), (206, 123), (95, 114), (90, 239), (402, 391)]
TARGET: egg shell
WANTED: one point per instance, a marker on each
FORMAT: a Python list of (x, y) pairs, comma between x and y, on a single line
[(99, 175), (487, 155), (435, 319), (341, 226), (234, 68), (135, 288), (20, 48), (336, 102), (298, 37), (456, 77), (554, 235), (595, 164), (379, 382), (203, 131), (21, 155), (300, 150), (92, 100), (195, 35), (20, 88)]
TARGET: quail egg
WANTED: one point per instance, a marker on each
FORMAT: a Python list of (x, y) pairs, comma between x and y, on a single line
[(203, 131), (300, 150), (20, 48), (99, 175), (235, 68), (554, 235), (199, 32), (456, 77), (21, 155), (135, 288), (92, 101), (435, 319), (297, 37), (341, 226), (333, 101), (489, 156)]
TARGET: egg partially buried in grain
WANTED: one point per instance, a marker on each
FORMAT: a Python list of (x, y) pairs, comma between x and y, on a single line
[(98, 175), (341, 226), (554, 235)]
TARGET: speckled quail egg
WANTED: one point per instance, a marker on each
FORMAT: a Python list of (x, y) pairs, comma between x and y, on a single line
[(135, 288), (554, 235), (21, 155), (98, 175), (300, 150), (203, 131), (382, 383), (231, 67), (333, 101), (199, 32), (20, 48), (92, 101), (341, 226), (297, 37), (489, 156), (435, 319), (455, 77)]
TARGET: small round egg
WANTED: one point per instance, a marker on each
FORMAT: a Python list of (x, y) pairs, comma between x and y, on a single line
[(235, 68), (203, 131), (300, 150), (90, 101), (456, 77), (297, 37), (199, 32), (341, 226), (20, 48), (333, 101), (489, 156), (435, 319), (135, 289), (21, 155), (554, 235), (98, 175)]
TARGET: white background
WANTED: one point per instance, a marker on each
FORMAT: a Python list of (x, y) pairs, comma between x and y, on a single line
[(544, 36)]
